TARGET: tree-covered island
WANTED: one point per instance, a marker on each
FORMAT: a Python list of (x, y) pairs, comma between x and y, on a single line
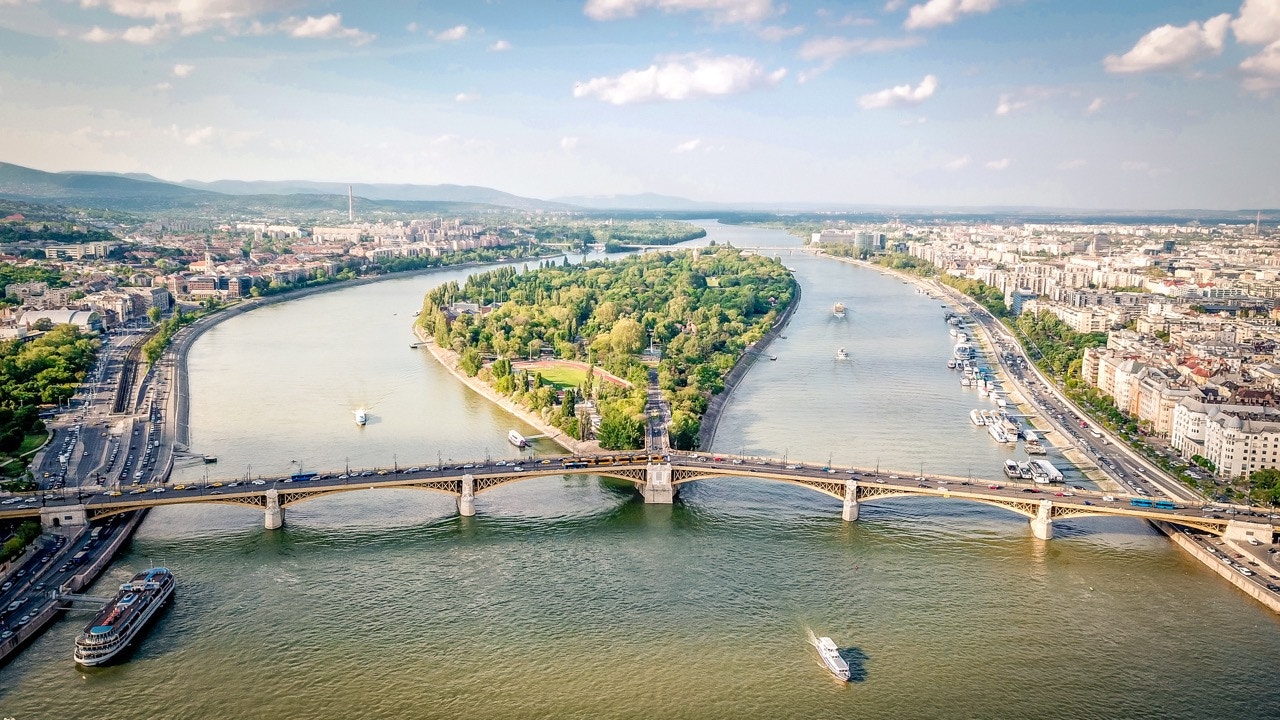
[(539, 336)]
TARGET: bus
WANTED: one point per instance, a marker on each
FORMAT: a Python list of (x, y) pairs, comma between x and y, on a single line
[(1141, 502), (79, 557), (301, 477), (1165, 505)]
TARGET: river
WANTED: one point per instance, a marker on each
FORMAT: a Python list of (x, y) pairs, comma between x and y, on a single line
[(568, 597)]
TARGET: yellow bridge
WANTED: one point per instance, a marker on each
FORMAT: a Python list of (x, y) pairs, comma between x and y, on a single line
[(657, 478)]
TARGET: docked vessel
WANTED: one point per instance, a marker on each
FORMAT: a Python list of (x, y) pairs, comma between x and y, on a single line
[(962, 351), (838, 309), (842, 354), (1011, 469), (1047, 469), (975, 417), (830, 655), (517, 439), (997, 433), (362, 417), (120, 622), (951, 364)]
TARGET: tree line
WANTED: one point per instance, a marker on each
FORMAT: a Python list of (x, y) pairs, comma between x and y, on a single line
[(43, 371)]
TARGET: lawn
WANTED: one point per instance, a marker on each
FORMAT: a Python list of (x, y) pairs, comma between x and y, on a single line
[(563, 376)]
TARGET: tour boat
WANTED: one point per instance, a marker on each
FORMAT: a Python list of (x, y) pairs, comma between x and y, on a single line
[(116, 625), (517, 439), (1011, 469), (997, 433), (842, 354), (975, 416), (830, 655), (838, 309), (362, 417)]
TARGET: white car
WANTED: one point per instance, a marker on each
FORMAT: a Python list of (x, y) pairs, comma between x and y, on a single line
[(259, 482)]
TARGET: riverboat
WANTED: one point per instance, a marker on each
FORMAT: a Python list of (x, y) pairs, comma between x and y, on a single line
[(842, 354), (116, 626), (1011, 469), (838, 309), (362, 417), (830, 655), (975, 417), (517, 439)]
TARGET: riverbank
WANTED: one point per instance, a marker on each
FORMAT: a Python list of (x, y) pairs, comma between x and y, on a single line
[(748, 358), (1214, 562), (449, 359)]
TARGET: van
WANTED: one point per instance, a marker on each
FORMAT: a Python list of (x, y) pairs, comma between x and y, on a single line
[(1108, 498)]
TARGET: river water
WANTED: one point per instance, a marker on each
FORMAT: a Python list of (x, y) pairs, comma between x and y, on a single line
[(568, 597)]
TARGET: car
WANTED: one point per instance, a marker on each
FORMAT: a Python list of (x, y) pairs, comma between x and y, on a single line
[(380, 472), (113, 493), (6, 635), (259, 482), (157, 490), (1030, 490), (414, 469), (179, 487), (923, 485), (1273, 587), (545, 462), (500, 463), (31, 499), (894, 477), (1086, 502), (1058, 494), (6, 586), (23, 620), (993, 487), (518, 468)]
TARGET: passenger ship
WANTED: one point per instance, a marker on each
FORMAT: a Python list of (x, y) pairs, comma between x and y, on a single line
[(830, 655), (117, 624)]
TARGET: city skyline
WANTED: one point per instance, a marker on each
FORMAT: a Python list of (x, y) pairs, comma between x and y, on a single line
[(932, 102)]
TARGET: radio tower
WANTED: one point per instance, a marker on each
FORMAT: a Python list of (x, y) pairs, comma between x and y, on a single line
[(1257, 224), (351, 208)]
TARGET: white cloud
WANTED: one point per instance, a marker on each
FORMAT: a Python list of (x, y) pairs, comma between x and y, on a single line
[(411, 27), (1075, 164), (325, 27), (181, 70), (944, 12), (465, 97), (775, 33), (97, 35), (195, 137), (682, 77), (453, 34), (1169, 48), (1000, 164), (901, 95), (959, 163), (1263, 69), (1259, 22), (687, 146), (500, 46), (191, 16), (1094, 106), (828, 50), (894, 5), (1008, 105), (721, 11), (568, 143), (145, 34), (164, 86)]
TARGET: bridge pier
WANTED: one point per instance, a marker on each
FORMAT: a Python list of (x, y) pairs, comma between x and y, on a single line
[(850, 512), (657, 487), (1042, 523), (62, 516), (467, 497), (1242, 531), (274, 513)]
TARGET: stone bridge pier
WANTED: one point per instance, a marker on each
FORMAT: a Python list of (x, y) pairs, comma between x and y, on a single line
[(850, 512), (657, 487), (467, 496), (1042, 523), (274, 513)]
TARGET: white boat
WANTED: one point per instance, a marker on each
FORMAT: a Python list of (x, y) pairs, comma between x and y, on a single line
[(362, 417), (842, 354), (953, 332), (830, 655), (1047, 468), (951, 364), (966, 382), (1011, 469), (117, 624), (962, 351), (517, 439), (997, 433), (975, 417), (838, 309)]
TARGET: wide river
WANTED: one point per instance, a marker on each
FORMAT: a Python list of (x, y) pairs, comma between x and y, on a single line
[(568, 597)]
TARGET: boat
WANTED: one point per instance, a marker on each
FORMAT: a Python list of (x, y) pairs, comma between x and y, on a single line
[(517, 439), (975, 417), (1048, 470), (951, 364), (954, 332), (842, 354), (965, 381), (119, 622), (962, 351), (830, 655), (838, 309), (1011, 469), (1024, 470), (997, 433), (362, 417)]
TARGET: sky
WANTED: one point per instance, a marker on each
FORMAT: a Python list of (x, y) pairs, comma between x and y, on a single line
[(1120, 104)]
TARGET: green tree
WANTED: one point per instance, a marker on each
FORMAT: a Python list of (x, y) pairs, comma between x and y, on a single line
[(153, 314), (626, 337), (470, 362), (620, 430)]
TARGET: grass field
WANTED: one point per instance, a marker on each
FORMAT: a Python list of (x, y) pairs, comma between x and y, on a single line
[(563, 376)]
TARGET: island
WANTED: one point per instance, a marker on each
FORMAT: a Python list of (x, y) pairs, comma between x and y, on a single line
[(579, 346)]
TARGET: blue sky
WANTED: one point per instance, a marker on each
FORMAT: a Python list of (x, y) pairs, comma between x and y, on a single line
[(1127, 104)]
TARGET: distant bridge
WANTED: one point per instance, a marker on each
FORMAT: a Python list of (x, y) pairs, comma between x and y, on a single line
[(655, 476)]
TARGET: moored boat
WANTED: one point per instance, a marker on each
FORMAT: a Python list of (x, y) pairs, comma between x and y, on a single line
[(118, 623), (517, 439), (975, 417), (1011, 469)]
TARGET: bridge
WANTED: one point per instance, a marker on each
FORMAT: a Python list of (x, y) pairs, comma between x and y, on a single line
[(657, 478)]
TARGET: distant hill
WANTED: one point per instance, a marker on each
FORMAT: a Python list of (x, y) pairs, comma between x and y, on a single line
[(640, 201), (401, 192), (23, 183)]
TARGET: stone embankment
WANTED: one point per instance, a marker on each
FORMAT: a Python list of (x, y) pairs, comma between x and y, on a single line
[(449, 359), (711, 418), (1247, 586)]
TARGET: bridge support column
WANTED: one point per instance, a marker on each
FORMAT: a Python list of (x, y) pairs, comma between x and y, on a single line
[(63, 516), (275, 513), (1042, 523), (657, 487), (850, 500), (467, 498), (1242, 531)]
